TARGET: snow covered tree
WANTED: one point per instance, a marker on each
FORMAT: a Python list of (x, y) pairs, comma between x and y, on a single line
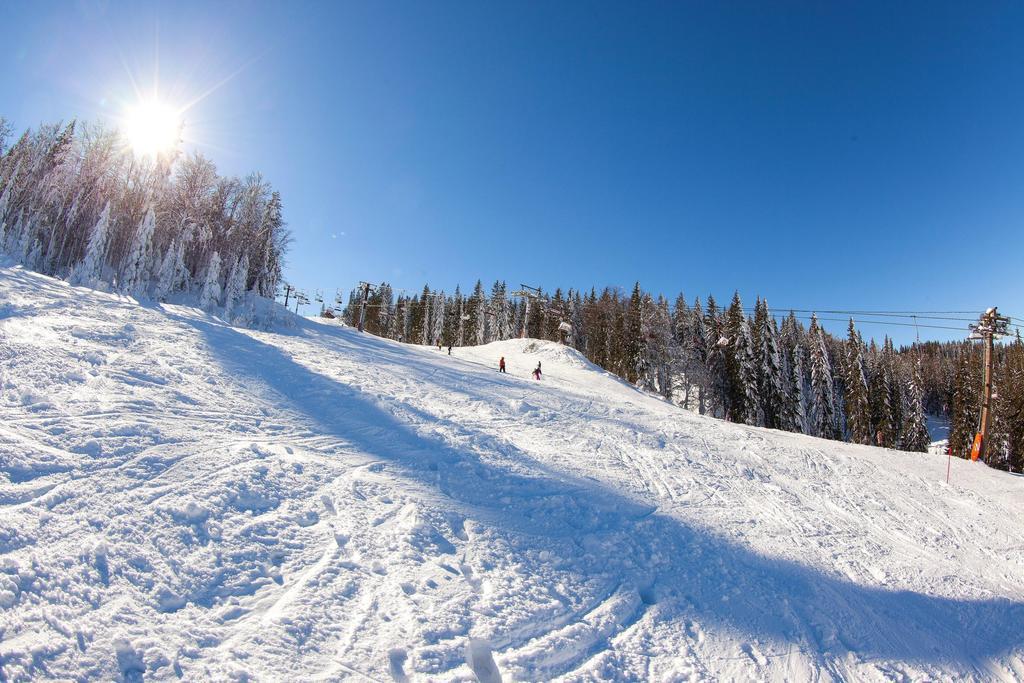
[(501, 313), (880, 397), (914, 434), (963, 421), (797, 404), (421, 318), (437, 318), (90, 269), (210, 294), (476, 309), (823, 420), (235, 288), (718, 375), (138, 263), (1010, 406), (753, 414), (75, 203), (577, 337), (656, 330), (634, 344), (769, 367), (744, 400), (858, 412), (461, 317), (171, 274)]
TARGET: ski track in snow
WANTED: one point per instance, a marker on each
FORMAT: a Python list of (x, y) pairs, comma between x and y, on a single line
[(183, 499)]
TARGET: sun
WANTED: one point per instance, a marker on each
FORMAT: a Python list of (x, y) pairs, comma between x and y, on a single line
[(152, 128)]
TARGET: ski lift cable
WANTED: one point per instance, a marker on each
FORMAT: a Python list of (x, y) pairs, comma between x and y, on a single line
[(913, 317), (873, 314), (873, 322)]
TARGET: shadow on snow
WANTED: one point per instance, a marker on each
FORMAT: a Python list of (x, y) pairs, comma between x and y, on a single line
[(699, 575)]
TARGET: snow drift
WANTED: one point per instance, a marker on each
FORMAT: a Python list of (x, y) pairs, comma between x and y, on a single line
[(181, 498)]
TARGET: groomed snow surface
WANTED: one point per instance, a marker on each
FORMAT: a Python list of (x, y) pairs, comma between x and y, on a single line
[(184, 499)]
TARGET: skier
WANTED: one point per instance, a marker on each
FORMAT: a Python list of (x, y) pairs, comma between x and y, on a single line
[(449, 349), (501, 365), (536, 371)]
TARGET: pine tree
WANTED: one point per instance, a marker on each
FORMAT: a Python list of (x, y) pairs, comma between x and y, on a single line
[(437, 320), (964, 418), (769, 367), (914, 434), (634, 343), (858, 412), (426, 324), (577, 337), (717, 371), (895, 385), (1010, 405), (753, 413), (501, 313), (478, 321), (462, 315), (797, 394), (880, 398), (697, 353), (823, 419), (744, 403)]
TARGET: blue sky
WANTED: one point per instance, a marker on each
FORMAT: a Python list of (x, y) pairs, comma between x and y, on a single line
[(823, 155)]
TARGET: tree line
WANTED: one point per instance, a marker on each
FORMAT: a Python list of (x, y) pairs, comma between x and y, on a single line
[(744, 365), (77, 204)]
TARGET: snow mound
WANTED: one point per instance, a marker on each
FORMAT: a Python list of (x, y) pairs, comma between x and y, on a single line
[(183, 499)]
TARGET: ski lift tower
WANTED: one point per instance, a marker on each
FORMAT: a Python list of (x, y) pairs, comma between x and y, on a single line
[(989, 326), (528, 293), (366, 288)]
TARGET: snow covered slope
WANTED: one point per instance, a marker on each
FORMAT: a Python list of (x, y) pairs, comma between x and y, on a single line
[(183, 499)]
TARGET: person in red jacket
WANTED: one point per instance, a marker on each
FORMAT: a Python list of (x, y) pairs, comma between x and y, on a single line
[(501, 364), (536, 371)]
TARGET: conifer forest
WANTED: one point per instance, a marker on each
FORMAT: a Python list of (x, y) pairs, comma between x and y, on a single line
[(742, 364)]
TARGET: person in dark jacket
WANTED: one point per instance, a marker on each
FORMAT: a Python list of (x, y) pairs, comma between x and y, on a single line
[(536, 371), (501, 364)]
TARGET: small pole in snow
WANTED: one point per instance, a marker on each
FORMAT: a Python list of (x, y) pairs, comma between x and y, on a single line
[(949, 459)]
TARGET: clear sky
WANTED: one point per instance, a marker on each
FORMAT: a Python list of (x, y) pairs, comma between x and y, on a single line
[(823, 155)]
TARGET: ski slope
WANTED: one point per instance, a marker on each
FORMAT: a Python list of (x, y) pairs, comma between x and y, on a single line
[(184, 499)]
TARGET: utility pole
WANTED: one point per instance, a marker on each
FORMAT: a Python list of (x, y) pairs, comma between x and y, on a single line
[(528, 293), (367, 288), (989, 326)]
